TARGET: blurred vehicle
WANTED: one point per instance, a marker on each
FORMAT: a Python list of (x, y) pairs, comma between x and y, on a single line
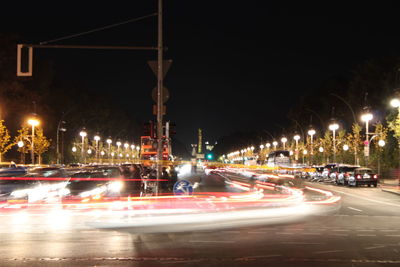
[(99, 182), (363, 176), (279, 158), (341, 173), (326, 173), (35, 185)]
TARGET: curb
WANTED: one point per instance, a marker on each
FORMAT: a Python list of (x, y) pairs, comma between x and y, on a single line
[(396, 192)]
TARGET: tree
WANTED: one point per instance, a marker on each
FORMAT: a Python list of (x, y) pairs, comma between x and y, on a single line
[(5, 143), (41, 144), (23, 136), (355, 141)]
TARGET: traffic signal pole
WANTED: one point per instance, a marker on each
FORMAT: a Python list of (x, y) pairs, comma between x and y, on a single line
[(159, 95)]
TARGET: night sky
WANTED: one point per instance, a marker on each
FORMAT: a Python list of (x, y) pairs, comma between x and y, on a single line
[(236, 66)]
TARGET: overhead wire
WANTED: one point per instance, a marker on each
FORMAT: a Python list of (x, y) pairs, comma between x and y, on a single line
[(98, 29)]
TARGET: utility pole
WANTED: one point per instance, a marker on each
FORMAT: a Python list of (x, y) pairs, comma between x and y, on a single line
[(160, 110)]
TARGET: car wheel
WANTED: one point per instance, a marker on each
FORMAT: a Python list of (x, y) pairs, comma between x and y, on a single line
[(375, 184)]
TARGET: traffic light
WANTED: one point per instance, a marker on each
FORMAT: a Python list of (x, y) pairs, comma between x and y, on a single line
[(148, 129), (210, 156)]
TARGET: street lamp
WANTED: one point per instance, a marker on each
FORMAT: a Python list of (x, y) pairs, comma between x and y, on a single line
[(345, 147), (333, 127), (311, 133), (33, 122), (274, 144), (296, 139), (284, 140), (366, 118), (109, 142), (97, 139), (304, 154), (118, 145), (396, 104), (73, 149), (83, 134)]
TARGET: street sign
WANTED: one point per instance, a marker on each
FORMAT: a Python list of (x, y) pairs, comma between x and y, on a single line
[(165, 94), (154, 66), (366, 151), (183, 187), (200, 156)]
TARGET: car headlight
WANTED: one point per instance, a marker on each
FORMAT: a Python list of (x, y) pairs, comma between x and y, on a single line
[(115, 186)]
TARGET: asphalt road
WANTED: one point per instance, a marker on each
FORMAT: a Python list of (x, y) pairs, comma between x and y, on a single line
[(364, 232)]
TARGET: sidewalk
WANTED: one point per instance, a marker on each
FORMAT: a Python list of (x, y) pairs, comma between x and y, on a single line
[(390, 186)]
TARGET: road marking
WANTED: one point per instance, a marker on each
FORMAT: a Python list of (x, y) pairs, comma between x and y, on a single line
[(388, 230), (311, 233), (231, 232), (340, 230), (354, 209), (365, 198), (365, 235), (262, 256), (393, 235), (302, 243), (210, 241), (375, 247), (255, 232), (327, 251), (365, 230), (281, 233), (339, 234)]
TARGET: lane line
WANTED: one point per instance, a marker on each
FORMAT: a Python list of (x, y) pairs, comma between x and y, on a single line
[(393, 235), (327, 251), (375, 247), (354, 209), (210, 241), (282, 233), (302, 243), (364, 198), (255, 232), (365, 235)]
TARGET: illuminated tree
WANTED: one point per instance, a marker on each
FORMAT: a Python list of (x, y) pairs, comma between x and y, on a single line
[(41, 143), (355, 141), (23, 135), (5, 143)]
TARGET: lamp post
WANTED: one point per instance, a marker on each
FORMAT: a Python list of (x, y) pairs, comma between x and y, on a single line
[(381, 144), (138, 151), (112, 157), (345, 148), (109, 142), (20, 145), (366, 118), (274, 144), (311, 133), (83, 134), (333, 127), (118, 145), (396, 104), (284, 140), (296, 139), (97, 139), (102, 153), (33, 122), (321, 150), (304, 154)]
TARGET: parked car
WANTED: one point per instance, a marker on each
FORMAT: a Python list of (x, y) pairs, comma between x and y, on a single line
[(341, 172), (327, 170), (363, 176)]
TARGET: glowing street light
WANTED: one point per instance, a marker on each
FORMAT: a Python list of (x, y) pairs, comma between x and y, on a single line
[(20, 144), (109, 142), (311, 133), (321, 149), (261, 147), (366, 118), (333, 127), (97, 139), (296, 139), (83, 134), (267, 145), (33, 122), (381, 143), (275, 143), (284, 140), (345, 147)]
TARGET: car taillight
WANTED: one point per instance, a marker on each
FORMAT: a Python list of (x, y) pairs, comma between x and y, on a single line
[(346, 175), (375, 176), (358, 176)]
